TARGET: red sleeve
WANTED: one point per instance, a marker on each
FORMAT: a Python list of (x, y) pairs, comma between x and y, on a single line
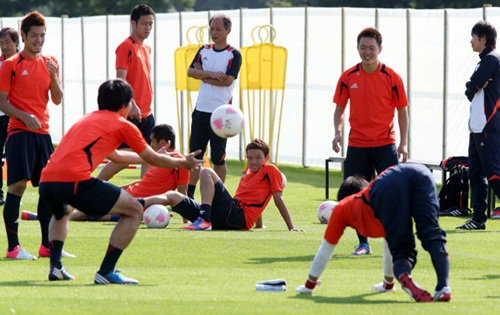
[(399, 93), (275, 178), (123, 54), (133, 137), (5, 73), (336, 225), (342, 92)]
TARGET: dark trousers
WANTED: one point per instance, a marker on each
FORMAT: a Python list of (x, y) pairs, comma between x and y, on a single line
[(484, 168), (401, 195)]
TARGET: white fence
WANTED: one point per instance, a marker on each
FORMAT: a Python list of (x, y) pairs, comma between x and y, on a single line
[(429, 48)]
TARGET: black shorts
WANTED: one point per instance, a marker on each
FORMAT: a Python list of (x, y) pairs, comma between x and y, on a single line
[(27, 154), (226, 214), (201, 133), (94, 197), (145, 126)]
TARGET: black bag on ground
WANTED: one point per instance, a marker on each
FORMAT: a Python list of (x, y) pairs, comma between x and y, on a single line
[(454, 195)]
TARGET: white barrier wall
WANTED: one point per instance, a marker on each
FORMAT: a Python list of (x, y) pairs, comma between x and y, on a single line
[(430, 49)]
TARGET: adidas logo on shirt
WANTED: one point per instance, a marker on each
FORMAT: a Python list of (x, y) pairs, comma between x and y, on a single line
[(354, 86), (25, 72)]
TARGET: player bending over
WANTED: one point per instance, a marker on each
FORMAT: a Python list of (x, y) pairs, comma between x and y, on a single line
[(67, 178), (386, 209), (219, 210)]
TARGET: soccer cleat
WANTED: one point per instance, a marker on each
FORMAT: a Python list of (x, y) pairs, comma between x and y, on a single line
[(45, 252), (383, 287), (59, 274), (199, 225), (29, 216), (303, 289), (114, 277), (455, 212), (20, 253), (496, 213), (472, 225), (362, 249), (443, 295), (414, 290)]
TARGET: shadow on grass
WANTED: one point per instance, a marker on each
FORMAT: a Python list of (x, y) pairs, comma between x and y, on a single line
[(69, 284), (355, 299), (486, 277), (309, 258)]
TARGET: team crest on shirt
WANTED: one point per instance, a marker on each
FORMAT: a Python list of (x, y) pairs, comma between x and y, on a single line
[(354, 86), (25, 72)]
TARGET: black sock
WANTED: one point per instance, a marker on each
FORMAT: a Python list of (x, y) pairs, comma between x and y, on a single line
[(362, 239), (56, 253), (441, 263), (109, 263), (142, 201), (402, 266), (44, 216), (206, 212), (115, 218), (191, 190), (10, 218)]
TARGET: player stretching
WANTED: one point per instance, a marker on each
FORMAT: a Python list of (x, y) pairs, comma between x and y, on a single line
[(25, 82), (67, 178), (386, 208), (133, 64), (219, 210)]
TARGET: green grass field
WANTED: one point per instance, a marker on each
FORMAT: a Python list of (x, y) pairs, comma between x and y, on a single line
[(215, 272)]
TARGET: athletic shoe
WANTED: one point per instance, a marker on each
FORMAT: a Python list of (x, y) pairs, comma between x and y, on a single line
[(443, 295), (455, 212), (45, 252), (20, 253), (414, 290), (2, 200), (496, 213), (59, 274), (199, 225), (29, 216), (383, 287), (472, 225), (362, 249), (114, 277), (303, 289)]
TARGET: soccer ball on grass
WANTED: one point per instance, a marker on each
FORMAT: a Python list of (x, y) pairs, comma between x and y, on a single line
[(156, 217)]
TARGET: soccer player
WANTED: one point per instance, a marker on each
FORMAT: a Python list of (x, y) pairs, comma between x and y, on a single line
[(217, 65), (158, 180), (374, 91), (26, 80), (133, 64), (387, 208), (220, 211), (9, 45), (483, 91), (67, 178)]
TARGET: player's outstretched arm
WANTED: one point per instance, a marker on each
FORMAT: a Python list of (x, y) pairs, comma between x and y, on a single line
[(323, 256), (280, 204), (163, 160), (125, 157)]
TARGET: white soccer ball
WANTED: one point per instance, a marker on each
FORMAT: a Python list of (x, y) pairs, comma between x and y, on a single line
[(325, 211), (156, 217), (227, 121)]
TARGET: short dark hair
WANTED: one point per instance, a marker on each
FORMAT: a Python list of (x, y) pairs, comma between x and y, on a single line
[(371, 32), (32, 19), (164, 132), (114, 94), (12, 33), (258, 144), (226, 20), (351, 185), (486, 29), (140, 10)]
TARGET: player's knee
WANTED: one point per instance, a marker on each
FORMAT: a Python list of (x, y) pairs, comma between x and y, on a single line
[(17, 188), (173, 198), (207, 172)]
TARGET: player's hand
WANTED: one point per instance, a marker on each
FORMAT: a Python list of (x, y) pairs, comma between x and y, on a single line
[(135, 111), (190, 162), (198, 66), (336, 143), (52, 67), (32, 122), (403, 152), (294, 229), (220, 76)]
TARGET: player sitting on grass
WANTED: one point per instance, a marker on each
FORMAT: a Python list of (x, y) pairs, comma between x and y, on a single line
[(385, 209), (67, 178), (220, 211)]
